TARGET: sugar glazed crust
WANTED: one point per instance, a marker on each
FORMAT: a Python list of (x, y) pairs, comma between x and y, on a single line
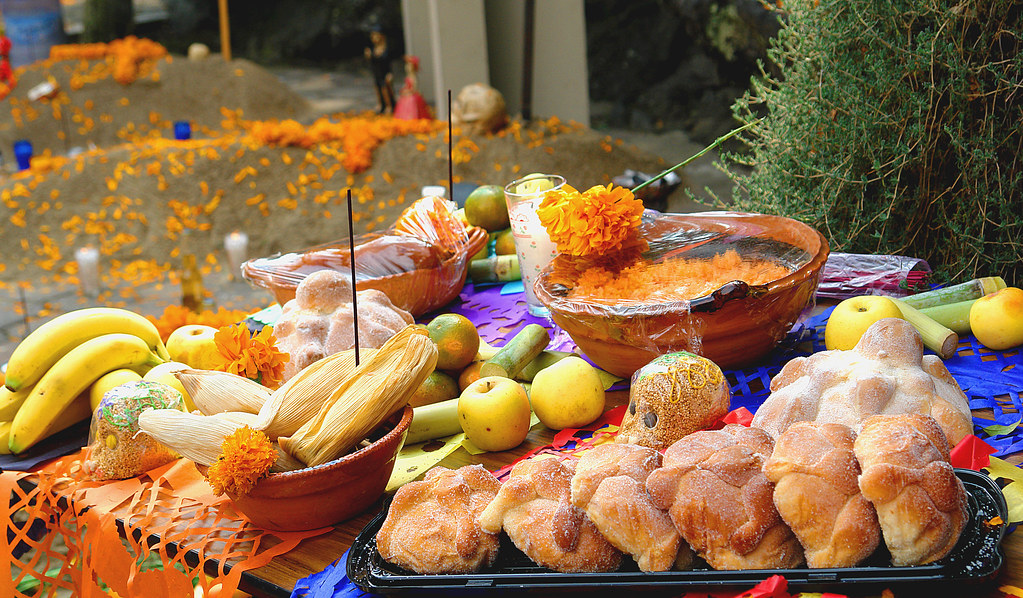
[(431, 526), (610, 486), (814, 471), (318, 321), (921, 504), (886, 373), (534, 508), (713, 486), (671, 397)]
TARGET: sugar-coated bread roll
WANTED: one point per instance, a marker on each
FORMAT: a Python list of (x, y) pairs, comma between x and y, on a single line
[(673, 396), (814, 471), (610, 486), (713, 486), (885, 373), (534, 508), (920, 502), (431, 526)]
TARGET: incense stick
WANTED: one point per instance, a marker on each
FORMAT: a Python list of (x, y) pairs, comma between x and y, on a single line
[(351, 252), (451, 176)]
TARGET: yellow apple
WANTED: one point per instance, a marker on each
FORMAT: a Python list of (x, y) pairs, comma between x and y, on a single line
[(193, 344), (494, 413), (165, 373), (567, 394), (852, 317), (107, 381), (997, 319)]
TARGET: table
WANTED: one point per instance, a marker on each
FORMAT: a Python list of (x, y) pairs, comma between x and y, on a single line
[(314, 554)]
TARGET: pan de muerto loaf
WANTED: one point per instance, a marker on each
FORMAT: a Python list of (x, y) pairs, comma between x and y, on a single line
[(920, 502), (713, 486), (886, 373), (318, 321), (814, 471)]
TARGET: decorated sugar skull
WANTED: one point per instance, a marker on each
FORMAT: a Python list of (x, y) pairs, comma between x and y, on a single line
[(673, 396)]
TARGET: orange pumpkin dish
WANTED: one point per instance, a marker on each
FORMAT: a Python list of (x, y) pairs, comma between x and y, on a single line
[(672, 279)]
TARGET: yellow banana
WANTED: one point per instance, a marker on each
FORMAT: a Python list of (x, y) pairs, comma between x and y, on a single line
[(77, 411), (51, 341), (434, 421), (69, 377), (5, 433), (10, 401)]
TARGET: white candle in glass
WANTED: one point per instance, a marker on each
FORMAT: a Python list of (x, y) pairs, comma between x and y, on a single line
[(88, 269), (237, 246)]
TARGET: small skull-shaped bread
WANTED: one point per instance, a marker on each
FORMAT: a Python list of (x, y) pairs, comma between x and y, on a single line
[(673, 396), (920, 502), (534, 508), (610, 485), (431, 526), (713, 486)]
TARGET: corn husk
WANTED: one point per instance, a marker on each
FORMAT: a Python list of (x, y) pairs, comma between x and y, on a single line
[(193, 436), (300, 399), (377, 388), (199, 437), (218, 392)]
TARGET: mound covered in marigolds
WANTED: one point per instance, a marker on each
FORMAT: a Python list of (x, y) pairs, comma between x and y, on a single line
[(260, 161)]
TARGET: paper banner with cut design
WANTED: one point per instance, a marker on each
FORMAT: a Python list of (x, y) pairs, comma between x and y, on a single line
[(173, 502), (971, 453), (417, 459)]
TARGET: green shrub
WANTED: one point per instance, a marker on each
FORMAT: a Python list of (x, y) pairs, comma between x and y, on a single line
[(896, 126)]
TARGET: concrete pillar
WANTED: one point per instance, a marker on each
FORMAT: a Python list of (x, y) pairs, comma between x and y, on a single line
[(468, 41), (449, 37)]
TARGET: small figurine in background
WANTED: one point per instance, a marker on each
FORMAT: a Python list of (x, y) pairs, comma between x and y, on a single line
[(380, 64), (411, 105)]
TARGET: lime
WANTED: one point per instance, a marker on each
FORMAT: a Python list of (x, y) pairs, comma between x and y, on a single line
[(485, 207), (437, 387), (505, 243)]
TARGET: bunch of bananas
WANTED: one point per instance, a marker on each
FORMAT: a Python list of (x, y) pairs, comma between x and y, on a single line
[(51, 372)]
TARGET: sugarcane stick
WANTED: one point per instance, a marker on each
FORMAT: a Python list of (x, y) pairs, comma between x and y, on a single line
[(500, 268), (936, 337), (972, 289), (523, 348), (954, 316)]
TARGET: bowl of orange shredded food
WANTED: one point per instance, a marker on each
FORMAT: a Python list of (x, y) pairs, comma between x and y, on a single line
[(724, 285)]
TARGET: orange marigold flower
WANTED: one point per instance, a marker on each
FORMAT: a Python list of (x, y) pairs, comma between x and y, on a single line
[(254, 357), (596, 221), (246, 456)]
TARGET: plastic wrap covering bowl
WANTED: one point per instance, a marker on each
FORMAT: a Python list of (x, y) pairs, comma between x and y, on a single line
[(733, 325), (420, 263), (319, 496)]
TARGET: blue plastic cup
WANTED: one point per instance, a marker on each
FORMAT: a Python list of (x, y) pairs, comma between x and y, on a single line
[(182, 130), (23, 153)]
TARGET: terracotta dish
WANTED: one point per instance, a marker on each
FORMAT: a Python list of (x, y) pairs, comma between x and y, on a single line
[(416, 275), (320, 496), (733, 326)]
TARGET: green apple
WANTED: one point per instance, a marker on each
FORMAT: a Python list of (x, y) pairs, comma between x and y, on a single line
[(193, 345), (852, 317), (165, 373), (567, 394), (494, 413), (997, 319)]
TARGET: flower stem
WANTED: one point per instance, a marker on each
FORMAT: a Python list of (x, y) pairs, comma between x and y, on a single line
[(713, 145)]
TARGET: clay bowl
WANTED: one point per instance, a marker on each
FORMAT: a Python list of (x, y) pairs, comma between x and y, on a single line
[(393, 264), (736, 325), (320, 496)]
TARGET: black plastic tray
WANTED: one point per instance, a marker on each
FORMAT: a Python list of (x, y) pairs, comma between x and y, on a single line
[(977, 558)]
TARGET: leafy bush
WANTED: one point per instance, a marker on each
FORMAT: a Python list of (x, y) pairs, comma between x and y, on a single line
[(896, 126)]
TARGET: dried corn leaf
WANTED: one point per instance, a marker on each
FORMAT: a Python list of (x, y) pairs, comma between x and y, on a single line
[(301, 398), (218, 392), (193, 436), (377, 388)]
